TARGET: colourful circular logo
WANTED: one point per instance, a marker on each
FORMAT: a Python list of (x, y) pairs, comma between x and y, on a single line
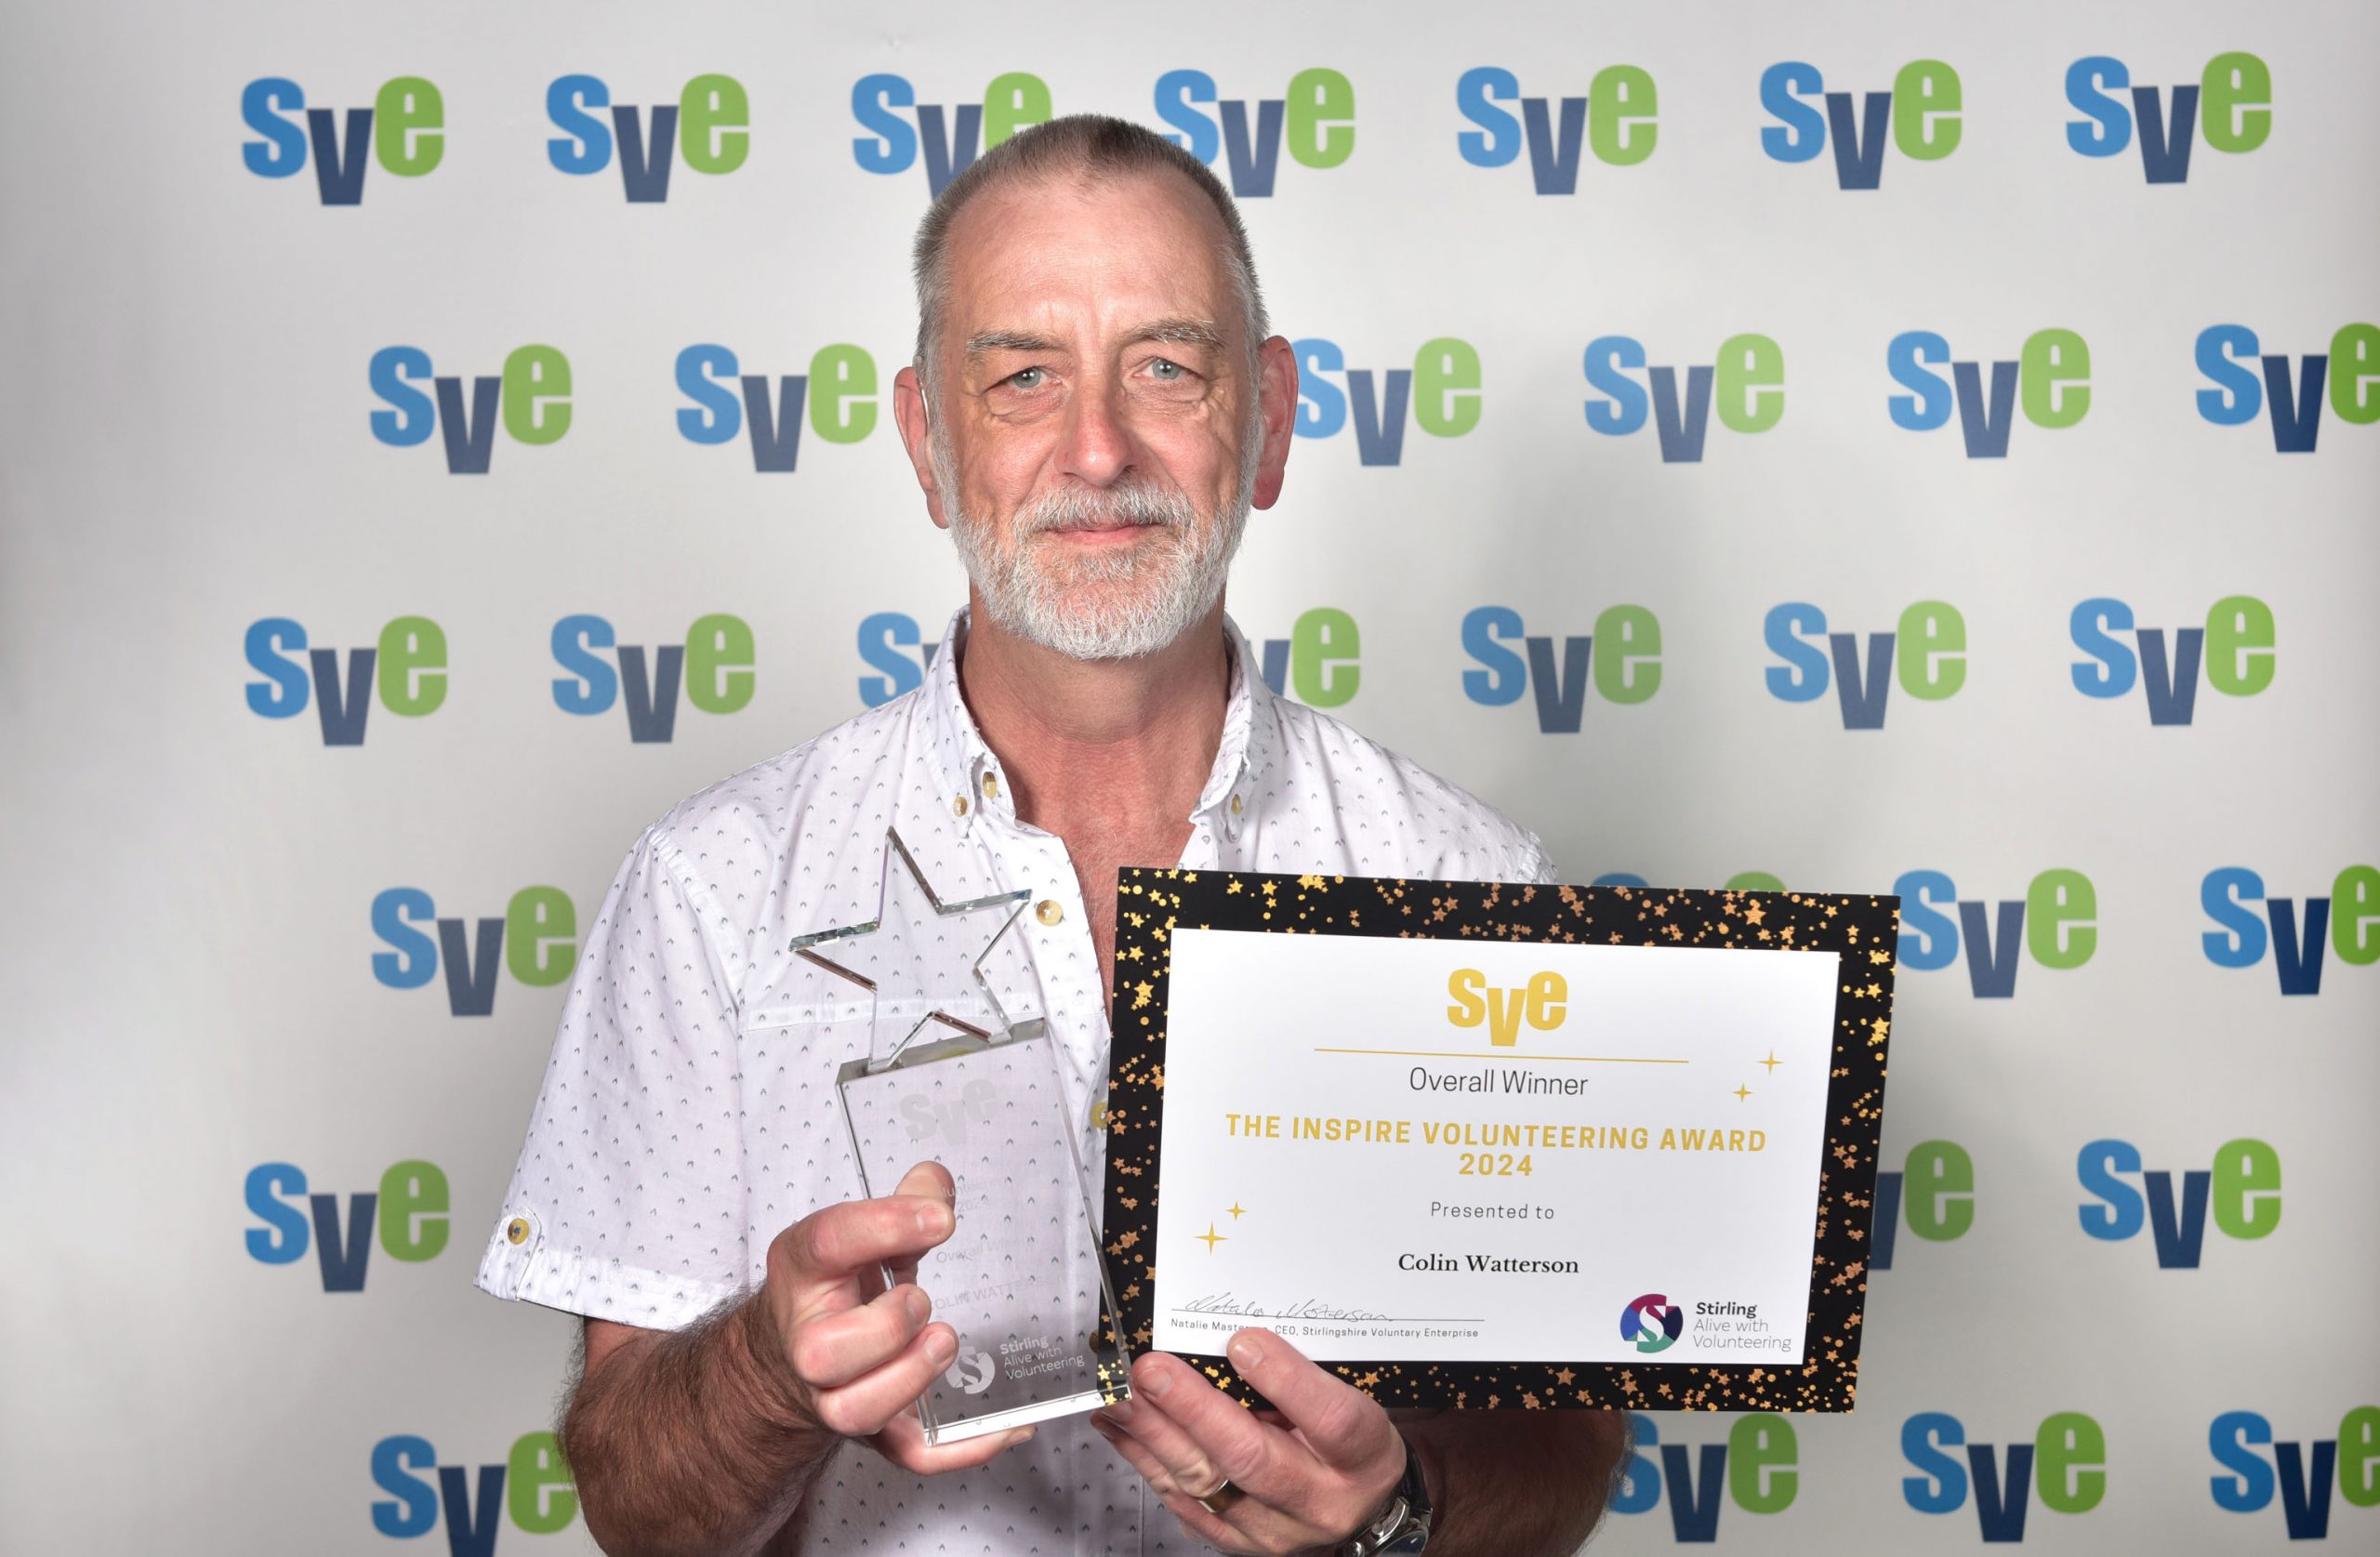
[(1652, 1322)]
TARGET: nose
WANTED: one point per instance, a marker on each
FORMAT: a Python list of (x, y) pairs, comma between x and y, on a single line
[(1095, 445)]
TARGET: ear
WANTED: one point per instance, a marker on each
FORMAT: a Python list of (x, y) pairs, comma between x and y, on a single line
[(909, 412), (1276, 367)]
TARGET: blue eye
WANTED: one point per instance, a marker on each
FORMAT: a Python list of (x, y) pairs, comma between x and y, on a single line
[(1028, 378), (1166, 369)]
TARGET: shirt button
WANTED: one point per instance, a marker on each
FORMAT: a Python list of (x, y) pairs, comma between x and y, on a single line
[(1234, 805), (517, 1229), (1047, 911), (991, 787), (958, 805)]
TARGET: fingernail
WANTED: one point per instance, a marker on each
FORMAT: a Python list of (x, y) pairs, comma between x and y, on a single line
[(1245, 1352), (948, 1196), (919, 1304), (934, 1217), (1157, 1381), (1117, 1415), (941, 1346)]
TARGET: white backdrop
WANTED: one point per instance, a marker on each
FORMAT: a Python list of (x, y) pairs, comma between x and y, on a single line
[(200, 1040)]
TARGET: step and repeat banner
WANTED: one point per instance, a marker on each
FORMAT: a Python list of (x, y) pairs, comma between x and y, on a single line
[(1862, 448)]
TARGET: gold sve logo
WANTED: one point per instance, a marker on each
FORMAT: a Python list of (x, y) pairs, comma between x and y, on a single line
[(1539, 1003)]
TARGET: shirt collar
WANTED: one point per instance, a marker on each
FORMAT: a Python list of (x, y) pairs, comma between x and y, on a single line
[(972, 784)]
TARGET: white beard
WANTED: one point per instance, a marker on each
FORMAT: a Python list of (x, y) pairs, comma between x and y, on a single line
[(1113, 603)]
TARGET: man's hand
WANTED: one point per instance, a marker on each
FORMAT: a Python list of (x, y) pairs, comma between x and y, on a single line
[(860, 1353), (1311, 1476), (707, 1439)]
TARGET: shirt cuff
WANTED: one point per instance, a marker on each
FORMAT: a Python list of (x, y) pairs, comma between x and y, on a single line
[(521, 1266)]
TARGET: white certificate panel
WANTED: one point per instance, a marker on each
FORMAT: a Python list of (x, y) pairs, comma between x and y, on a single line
[(1430, 1149)]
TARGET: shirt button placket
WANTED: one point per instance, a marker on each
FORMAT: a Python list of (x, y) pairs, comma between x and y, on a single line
[(1070, 984), (1070, 1002)]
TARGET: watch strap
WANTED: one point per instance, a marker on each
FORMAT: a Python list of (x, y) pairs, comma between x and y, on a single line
[(1404, 1525)]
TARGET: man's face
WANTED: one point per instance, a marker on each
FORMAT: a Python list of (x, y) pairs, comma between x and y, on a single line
[(1097, 437)]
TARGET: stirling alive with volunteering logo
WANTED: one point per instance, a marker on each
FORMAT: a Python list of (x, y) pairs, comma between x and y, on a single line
[(1652, 1322)]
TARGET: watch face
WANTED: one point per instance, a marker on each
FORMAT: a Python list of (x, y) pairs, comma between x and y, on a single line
[(1413, 1540)]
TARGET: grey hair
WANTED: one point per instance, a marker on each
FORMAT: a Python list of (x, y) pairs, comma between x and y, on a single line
[(1085, 146)]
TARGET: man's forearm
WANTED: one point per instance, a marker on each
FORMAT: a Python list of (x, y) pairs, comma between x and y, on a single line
[(1515, 1484), (692, 1441)]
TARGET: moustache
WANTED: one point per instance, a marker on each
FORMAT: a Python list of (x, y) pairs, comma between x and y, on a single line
[(1105, 508)]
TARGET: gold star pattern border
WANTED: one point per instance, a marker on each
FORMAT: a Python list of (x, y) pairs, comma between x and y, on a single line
[(1862, 932)]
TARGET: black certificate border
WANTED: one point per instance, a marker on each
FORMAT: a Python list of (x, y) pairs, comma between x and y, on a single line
[(1864, 930)]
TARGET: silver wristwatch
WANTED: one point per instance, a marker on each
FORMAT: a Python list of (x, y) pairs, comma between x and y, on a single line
[(1404, 1525)]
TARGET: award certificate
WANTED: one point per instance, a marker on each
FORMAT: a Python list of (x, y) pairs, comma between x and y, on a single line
[(1486, 1146)]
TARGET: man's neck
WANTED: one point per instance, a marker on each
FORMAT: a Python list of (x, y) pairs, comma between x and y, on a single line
[(1099, 746)]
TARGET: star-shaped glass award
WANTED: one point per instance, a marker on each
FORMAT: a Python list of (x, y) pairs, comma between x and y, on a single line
[(947, 1078), (923, 958)]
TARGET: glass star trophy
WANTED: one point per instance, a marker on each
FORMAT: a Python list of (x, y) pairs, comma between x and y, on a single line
[(949, 1079)]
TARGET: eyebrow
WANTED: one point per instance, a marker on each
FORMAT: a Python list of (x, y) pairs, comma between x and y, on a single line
[(1182, 332), (986, 341), (1179, 331)]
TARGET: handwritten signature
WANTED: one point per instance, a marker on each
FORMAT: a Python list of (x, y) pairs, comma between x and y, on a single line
[(1305, 1308)]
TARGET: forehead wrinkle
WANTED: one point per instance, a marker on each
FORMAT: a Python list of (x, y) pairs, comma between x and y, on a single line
[(1009, 247)]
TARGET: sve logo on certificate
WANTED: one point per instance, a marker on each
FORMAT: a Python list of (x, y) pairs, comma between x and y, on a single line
[(1489, 1146)]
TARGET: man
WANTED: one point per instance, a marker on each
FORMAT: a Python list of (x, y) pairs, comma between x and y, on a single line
[(1094, 408)]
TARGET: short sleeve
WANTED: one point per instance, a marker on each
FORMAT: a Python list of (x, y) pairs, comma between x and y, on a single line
[(626, 1202)]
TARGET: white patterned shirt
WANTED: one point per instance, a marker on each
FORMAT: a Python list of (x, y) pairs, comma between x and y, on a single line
[(689, 1113)]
